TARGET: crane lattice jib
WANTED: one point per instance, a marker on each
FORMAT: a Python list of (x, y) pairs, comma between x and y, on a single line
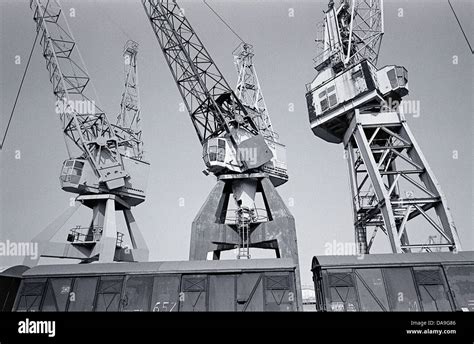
[(210, 101), (83, 123), (249, 92), (128, 126), (359, 26), (129, 116), (366, 31)]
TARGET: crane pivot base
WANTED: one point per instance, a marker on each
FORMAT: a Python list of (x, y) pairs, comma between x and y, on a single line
[(100, 241), (211, 233)]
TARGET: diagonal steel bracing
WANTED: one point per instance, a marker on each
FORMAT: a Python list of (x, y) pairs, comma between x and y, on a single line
[(392, 184)]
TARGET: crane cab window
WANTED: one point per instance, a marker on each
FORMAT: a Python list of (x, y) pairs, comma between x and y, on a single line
[(220, 150), (397, 76), (328, 98), (214, 150), (323, 101), (72, 171), (402, 76), (212, 153), (205, 156), (392, 78)]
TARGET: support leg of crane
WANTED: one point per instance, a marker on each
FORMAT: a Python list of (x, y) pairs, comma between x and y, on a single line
[(209, 228), (43, 239), (102, 241), (430, 181), (140, 249), (100, 245), (108, 241), (392, 182), (378, 184), (360, 231), (280, 227), (209, 232)]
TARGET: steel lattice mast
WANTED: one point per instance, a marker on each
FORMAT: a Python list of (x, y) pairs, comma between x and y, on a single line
[(128, 127), (359, 26), (89, 130), (211, 103), (249, 92), (394, 191)]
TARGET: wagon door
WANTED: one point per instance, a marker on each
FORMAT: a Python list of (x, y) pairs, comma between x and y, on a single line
[(250, 292)]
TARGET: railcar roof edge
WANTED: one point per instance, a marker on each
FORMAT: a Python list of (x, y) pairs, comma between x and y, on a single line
[(392, 259), (211, 266)]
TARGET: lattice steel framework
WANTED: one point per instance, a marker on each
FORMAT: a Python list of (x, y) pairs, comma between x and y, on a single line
[(365, 31), (360, 25), (213, 106), (90, 131), (128, 128), (90, 136), (249, 92), (393, 187), (393, 184)]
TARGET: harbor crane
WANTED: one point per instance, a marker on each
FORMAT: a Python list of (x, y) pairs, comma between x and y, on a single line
[(238, 146), (105, 167), (353, 102)]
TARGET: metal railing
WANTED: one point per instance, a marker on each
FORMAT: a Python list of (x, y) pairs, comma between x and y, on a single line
[(259, 216), (80, 234)]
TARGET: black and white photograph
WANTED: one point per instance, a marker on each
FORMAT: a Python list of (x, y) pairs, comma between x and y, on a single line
[(205, 164)]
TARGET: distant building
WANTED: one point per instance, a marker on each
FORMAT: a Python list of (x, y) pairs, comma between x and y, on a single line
[(309, 298)]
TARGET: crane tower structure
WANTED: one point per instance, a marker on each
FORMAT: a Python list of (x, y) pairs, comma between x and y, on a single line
[(105, 167), (128, 126), (353, 102), (239, 145), (250, 93)]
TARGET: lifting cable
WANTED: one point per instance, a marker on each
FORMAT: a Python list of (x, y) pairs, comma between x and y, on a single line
[(223, 21), (112, 21), (460, 26), (19, 90)]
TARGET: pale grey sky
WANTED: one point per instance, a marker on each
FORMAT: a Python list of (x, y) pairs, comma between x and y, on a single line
[(424, 40)]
